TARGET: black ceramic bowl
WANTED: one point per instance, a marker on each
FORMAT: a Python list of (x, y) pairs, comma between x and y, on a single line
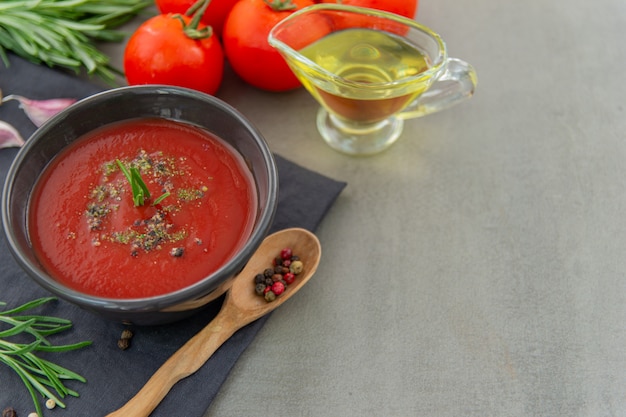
[(128, 103)]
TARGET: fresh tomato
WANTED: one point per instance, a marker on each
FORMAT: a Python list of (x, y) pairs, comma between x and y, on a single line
[(246, 47), (161, 52), (406, 8), (214, 16)]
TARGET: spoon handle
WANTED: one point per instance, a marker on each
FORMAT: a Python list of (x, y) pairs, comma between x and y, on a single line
[(184, 362)]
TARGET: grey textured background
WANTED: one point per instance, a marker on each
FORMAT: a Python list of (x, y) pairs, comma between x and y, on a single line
[(477, 267)]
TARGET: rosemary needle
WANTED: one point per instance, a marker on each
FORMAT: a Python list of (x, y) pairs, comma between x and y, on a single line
[(62, 33), (138, 186), (40, 376)]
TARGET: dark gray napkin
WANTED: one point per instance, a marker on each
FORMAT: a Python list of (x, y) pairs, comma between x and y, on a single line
[(113, 375)]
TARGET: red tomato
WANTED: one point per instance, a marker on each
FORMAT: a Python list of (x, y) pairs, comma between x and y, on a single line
[(214, 16), (159, 52), (406, 8), (248, 52)]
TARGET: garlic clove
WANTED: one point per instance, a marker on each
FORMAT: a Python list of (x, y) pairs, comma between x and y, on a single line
[(9, 136), (39, 111)]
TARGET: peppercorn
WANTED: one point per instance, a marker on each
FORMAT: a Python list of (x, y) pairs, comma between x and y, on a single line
[(274, 281), (177, 252), (9, 412), (270, 296), (278, 288), (289, 278), (123, 344), (296, 267), (286, 253)]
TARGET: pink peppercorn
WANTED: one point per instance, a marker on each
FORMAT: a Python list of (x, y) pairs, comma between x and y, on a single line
[(286, 253), (289, 278), (278, 288)]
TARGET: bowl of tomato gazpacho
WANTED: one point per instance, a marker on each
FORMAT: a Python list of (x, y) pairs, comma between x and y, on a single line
[(140, 203)]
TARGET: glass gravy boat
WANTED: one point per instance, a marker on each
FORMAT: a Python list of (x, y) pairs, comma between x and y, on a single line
[(369, 70)]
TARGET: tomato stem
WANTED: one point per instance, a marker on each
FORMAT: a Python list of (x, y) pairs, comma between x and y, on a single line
[(196, 11), (197, 5), (281, 5)]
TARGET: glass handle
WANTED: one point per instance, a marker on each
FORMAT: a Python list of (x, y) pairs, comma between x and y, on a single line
[(456, 84)]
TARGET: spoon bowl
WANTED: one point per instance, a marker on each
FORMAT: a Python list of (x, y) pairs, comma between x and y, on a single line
[(303, 243), (241, 306)]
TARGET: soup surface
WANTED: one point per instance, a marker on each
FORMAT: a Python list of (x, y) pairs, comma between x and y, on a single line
[(89, 234)]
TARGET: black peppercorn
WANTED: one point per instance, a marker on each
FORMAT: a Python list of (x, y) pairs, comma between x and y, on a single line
[(177, 252), (259, 279), (268, 272), (260, 288), (123, 344), (9, 412)]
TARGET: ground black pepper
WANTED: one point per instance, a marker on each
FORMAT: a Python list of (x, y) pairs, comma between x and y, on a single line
[(147, 234)]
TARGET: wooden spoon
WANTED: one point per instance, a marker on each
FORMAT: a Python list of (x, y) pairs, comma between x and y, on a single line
[(241, 306)]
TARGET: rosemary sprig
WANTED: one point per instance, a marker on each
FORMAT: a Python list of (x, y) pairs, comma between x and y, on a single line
[(138, 186), (40, 376), (62, 33)]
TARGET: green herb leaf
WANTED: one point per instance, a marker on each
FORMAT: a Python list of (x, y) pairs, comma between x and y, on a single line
[(64, 33), (40, 376), (140, 190), (138, 186), (161, 198)]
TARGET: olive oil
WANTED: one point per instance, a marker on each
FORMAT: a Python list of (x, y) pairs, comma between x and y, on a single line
[(372, 64)]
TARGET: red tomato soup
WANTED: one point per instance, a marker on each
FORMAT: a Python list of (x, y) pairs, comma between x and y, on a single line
[(89, 234)]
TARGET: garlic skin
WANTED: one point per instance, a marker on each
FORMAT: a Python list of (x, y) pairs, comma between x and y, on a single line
[(9, 136), (39, 111)]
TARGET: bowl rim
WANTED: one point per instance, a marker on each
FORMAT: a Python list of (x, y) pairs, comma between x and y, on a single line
[(153, 303)]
